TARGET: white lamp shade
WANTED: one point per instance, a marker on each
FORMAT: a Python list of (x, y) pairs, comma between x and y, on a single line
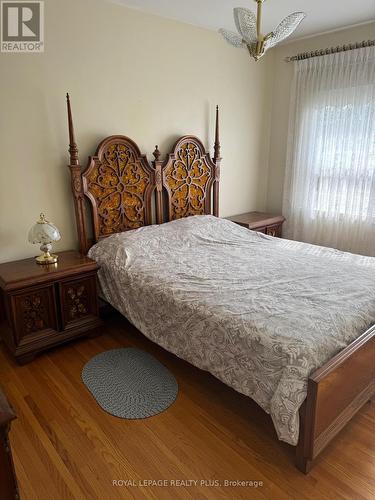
[(43, 232)]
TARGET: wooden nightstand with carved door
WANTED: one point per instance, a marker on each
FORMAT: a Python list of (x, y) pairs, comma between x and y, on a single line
[(262, 222), (46, 305)]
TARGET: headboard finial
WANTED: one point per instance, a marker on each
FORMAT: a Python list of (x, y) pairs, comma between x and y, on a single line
[(157, 163), (217, 161), (76, 183), (217, 137), (73, 150), (156, 153)]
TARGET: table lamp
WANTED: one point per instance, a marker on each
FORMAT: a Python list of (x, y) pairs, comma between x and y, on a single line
[(44, 232)]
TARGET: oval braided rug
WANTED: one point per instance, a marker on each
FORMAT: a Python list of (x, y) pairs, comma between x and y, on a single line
[(130, 383)]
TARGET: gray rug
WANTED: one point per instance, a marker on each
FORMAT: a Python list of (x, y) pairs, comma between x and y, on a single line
[(130, 383)]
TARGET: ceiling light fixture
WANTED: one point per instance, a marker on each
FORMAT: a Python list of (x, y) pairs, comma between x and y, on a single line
[(249, 30)]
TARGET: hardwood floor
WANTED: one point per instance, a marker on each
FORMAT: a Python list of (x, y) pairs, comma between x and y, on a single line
[(66, 447)]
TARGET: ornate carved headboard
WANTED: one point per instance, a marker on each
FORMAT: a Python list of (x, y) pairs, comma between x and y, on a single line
[(121, 185), (188, 176)]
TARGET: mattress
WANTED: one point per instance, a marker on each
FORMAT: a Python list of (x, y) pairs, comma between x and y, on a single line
[(259, 313)]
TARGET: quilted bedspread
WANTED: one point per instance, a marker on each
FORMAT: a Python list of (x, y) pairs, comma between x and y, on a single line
[(259, 313)]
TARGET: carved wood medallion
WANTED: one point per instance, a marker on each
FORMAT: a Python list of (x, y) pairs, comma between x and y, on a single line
[(77, 302), (34, 313)]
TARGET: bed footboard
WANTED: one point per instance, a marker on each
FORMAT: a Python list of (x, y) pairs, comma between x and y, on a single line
[(336, 391)]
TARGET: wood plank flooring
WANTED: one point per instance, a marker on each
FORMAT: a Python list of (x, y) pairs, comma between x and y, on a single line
[(66, 447)]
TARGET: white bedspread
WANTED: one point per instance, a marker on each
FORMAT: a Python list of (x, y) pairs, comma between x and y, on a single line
[(259, 313)]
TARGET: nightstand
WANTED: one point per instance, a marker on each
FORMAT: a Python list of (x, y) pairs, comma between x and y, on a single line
[(260, 221), (45, 305)]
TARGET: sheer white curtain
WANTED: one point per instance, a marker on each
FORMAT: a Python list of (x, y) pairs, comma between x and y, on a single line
[(329, 191)]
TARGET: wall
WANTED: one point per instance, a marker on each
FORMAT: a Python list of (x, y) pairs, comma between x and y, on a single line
[(283, 74), (128, 73)]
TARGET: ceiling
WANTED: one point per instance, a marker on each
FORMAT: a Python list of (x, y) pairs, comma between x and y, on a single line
[(322, 15)]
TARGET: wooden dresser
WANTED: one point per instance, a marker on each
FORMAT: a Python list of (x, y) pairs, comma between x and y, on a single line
[(44, 305), (259, 221), (8, 482)]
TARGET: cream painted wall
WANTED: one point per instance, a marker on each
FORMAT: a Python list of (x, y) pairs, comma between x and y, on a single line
[(128, 73), (283, 74)]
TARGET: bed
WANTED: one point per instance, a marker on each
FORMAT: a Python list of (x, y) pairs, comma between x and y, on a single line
[(288, 324)]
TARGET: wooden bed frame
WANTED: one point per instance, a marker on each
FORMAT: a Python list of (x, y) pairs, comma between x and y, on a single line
[(124, 191)]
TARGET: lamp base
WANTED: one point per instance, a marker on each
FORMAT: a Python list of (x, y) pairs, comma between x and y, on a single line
[(47, 258)]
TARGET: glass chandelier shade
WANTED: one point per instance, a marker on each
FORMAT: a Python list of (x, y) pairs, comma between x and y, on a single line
[(249, 30), (44, 233)]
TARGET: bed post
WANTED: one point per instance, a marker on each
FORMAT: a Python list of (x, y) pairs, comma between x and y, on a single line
[(216, 160), (159, 185), (76, 183)]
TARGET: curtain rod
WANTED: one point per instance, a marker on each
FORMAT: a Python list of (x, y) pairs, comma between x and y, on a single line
[(331, 50)]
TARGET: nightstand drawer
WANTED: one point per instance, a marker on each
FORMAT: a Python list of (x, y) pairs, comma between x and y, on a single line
[(34, 312), (274, 230), (78, 300)]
